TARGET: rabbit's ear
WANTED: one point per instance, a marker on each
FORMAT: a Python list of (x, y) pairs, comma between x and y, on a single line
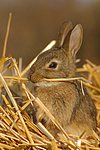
[(63, 31), (75, 39)]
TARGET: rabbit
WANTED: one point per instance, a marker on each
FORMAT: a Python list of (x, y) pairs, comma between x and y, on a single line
[(74, 110)]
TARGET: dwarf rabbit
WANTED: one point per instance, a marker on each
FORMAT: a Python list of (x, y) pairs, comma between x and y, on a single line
[(74, 111)]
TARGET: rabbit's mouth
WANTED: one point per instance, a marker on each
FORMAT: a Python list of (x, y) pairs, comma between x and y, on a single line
[(38, 81)]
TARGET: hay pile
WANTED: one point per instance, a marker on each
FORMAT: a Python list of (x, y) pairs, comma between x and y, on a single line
[(17, 130)]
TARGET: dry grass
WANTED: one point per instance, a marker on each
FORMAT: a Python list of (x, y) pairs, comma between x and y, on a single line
[(17, 130)]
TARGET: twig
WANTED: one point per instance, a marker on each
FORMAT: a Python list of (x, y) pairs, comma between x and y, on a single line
[(67, 79)]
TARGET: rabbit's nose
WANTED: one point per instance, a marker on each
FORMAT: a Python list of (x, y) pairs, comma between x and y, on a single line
[(29, 75)]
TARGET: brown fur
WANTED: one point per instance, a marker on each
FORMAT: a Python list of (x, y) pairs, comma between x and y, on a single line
[(74, 111)]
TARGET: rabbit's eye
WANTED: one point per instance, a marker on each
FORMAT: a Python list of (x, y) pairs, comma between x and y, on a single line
[(53, 65)]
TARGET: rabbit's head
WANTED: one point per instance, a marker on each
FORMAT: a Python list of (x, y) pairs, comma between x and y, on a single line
[(59, 62)]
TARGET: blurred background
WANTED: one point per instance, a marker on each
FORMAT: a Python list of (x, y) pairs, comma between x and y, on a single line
[(36, 22)]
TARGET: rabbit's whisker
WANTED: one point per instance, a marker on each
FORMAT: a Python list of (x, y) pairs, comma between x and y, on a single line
[(82, 88)]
